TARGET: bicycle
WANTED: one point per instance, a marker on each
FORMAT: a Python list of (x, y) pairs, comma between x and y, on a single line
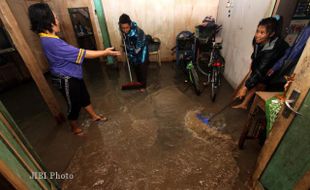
[(210, 62), (185, 57), (213, 69)]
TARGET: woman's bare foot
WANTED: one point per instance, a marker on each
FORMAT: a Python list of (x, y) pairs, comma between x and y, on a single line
[(240, 106), (99, 118), (76, 129), (93, 115), (142, 90)]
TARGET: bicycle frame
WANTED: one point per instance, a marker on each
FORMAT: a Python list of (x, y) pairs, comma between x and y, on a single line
[(190, 66), (193, 77)]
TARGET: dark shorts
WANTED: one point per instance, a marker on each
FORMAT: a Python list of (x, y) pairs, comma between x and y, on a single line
[(75, 92)]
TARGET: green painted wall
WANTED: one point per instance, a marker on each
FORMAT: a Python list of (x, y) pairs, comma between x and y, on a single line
[(292, 158), (103, 28)]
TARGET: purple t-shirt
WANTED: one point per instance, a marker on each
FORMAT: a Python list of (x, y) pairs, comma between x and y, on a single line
[(63, 58)]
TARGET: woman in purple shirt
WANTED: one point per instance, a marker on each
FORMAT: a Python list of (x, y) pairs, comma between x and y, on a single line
[(65, 63)]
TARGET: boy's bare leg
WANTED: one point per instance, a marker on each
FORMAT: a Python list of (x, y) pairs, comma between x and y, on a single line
[(244, 104)]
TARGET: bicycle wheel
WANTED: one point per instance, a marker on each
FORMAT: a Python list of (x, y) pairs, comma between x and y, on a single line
[(202, 64), (215, 79), (222, 61), (221, 69), (195, 80)]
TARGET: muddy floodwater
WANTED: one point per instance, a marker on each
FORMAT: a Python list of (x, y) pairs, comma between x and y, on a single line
[(154, 143), (152, 140)]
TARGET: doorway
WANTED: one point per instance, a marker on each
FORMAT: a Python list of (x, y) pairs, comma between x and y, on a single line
[(12, 68), (82, 27)]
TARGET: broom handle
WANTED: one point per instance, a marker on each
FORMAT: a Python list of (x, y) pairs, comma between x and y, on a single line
[(224, 108), (123, 39)]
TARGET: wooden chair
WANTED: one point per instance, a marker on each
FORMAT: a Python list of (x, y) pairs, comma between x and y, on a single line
[(259, 103), (154, 49)]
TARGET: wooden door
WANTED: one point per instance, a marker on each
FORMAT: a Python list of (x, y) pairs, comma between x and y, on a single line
[(18, 162), (83, 29), (285, 157)]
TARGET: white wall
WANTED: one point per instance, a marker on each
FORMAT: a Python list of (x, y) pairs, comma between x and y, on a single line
[(160, 18), (238, 32)]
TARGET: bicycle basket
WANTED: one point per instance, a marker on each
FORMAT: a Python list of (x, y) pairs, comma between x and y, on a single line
[(185, 40), (205, 31)]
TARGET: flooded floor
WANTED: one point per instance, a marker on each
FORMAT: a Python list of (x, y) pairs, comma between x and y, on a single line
[(152, 140)]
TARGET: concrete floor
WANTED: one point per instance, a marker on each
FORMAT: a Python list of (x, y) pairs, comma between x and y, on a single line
[(153, 140)]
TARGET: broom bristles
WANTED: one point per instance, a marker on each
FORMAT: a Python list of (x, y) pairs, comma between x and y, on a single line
[(132, 86)]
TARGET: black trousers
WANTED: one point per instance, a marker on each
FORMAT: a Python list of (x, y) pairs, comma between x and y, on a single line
[(141, 73), (74, 91)]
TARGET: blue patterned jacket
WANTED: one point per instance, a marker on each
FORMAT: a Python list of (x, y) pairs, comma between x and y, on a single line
[(136, 45)]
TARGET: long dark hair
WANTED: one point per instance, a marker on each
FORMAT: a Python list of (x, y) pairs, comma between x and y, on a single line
[(41, 17)]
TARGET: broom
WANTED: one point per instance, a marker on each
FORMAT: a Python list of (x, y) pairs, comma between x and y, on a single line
[(208, 120), (131, 85)]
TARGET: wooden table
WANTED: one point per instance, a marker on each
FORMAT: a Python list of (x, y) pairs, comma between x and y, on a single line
[(259, 102)]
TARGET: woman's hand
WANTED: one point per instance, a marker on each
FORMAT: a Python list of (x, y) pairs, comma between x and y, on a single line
[(91, 54), (241, 93), (111, 51)]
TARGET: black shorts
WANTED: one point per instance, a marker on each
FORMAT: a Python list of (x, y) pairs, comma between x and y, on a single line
[(75, 92)]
